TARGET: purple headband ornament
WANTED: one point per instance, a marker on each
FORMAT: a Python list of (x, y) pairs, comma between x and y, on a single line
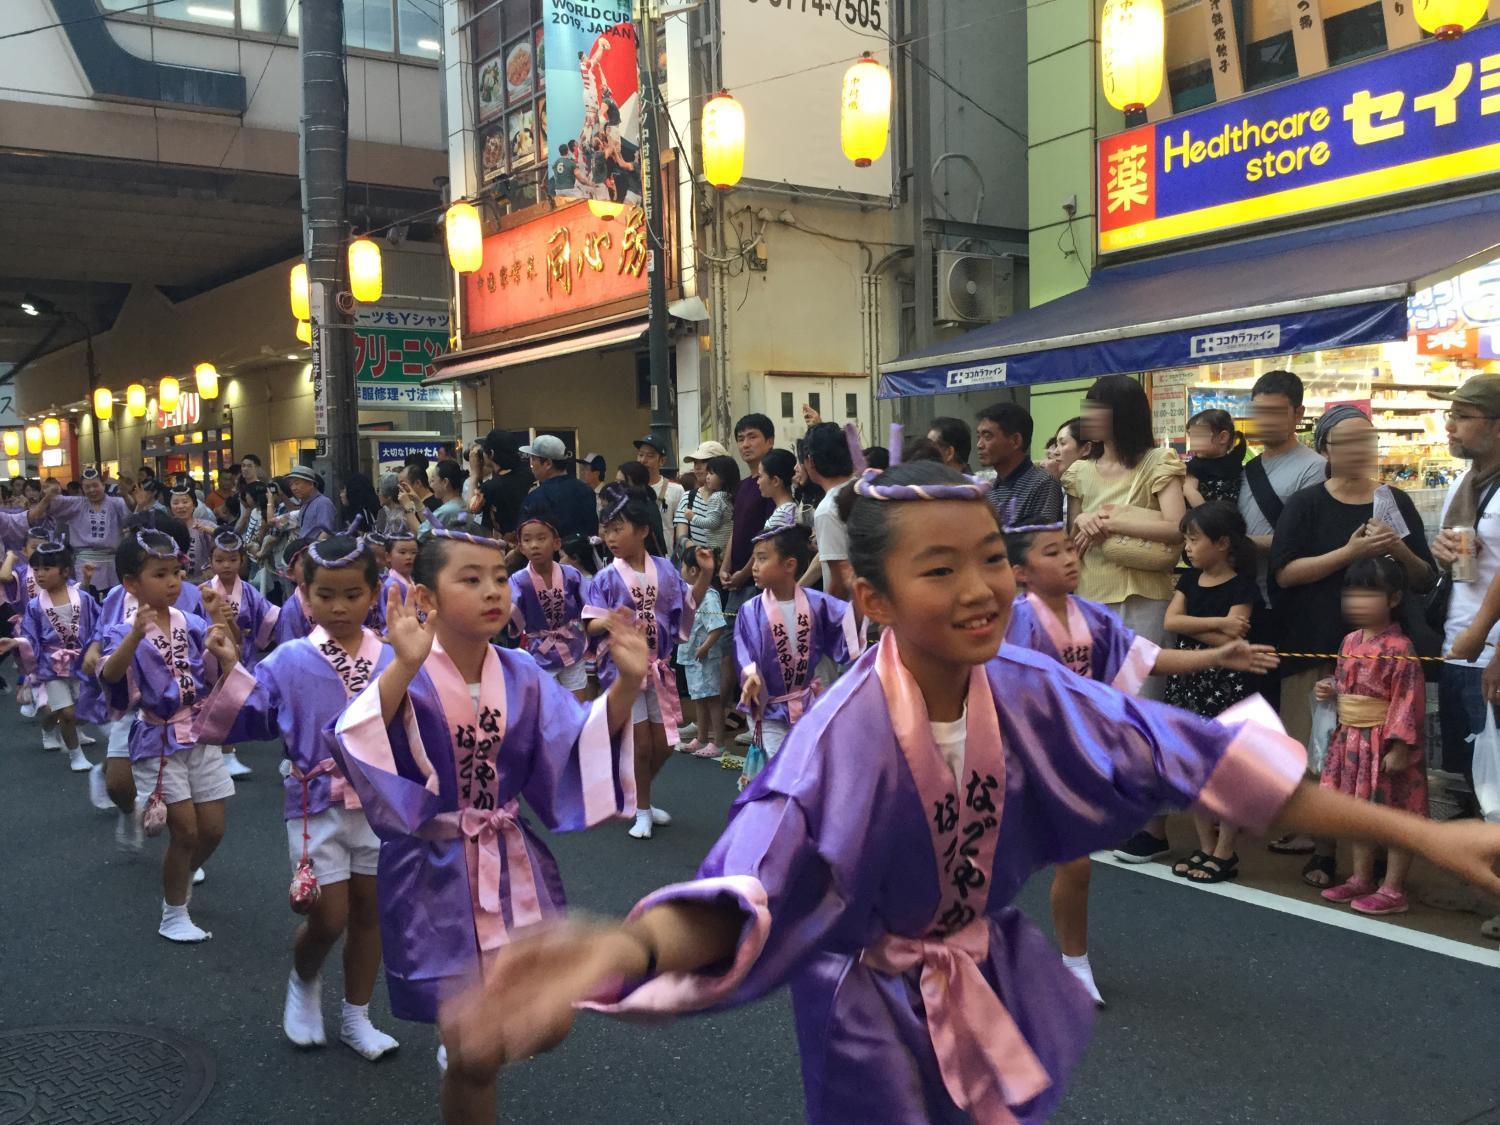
[(615, 509), (856, 451), (228, 541), (548, 524), (893, 446), (377, 539), (339, 561), (465, 537), (155, 552), (865, 486), (50, 548), (399, 535), (1009, 527)]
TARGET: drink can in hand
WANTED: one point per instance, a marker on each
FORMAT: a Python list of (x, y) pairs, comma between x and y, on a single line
[(1466, 565)]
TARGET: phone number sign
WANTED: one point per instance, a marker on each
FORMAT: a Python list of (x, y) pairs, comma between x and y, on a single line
[(1415, 119)]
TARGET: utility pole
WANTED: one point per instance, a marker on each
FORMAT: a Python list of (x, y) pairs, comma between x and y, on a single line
[(654, 200), (325, 182)]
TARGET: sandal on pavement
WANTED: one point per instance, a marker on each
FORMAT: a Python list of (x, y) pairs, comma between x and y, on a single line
[(1383, 901), (1191, 863), (690, 747), (1491, 929), (1319, 871), (1216, 870), (1291, 845), (708, 750), (1350, 890)]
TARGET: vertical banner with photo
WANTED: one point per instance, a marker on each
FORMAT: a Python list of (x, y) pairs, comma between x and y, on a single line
[(592, 109)]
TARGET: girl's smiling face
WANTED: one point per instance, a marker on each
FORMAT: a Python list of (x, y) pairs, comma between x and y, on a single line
[(947, 584), (473, 592)]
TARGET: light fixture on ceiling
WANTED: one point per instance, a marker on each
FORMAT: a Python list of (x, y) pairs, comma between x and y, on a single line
[(199, 12)]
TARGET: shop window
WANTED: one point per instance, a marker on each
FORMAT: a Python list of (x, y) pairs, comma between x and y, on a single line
[(418, 28), (1191, 86), (270, 17), (1269, 61), (851, 406), (368, 24), (215, 13), (786, 404), (1354, 34), (815, 400)]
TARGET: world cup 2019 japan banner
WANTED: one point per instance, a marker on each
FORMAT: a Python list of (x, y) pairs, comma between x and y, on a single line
[(593, 98)]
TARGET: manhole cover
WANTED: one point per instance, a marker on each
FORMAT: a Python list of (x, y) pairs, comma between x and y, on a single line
[(99, 1073)]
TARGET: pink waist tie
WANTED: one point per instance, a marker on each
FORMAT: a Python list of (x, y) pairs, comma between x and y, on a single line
[(340, 791), (181, 724), (62, 660), (986, 1063), (797, 701), (555, 641), (482, 831), (665, 678)]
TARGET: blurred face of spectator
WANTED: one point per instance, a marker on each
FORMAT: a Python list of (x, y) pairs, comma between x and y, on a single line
[(1352, 449), (1276, 419)]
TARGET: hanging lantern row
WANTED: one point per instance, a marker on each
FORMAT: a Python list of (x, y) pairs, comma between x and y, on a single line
[(366, 284), (1448, 19), (12, 443)]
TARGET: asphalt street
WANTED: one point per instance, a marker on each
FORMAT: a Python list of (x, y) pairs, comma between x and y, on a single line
[(1219, 1011)]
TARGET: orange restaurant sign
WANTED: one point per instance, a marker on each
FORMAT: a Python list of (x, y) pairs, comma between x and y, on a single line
[(566, 261)]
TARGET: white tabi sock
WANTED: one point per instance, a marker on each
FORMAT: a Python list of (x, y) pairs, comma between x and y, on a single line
[(129, 836), (177, 926), (641, 829), (77, 762), (356, 1031), (51, 739), (302, 1016), (98, 790), (1079, 967), (660, 817)]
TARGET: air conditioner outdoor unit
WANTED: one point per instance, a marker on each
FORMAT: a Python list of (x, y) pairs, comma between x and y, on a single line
[(972, 288)]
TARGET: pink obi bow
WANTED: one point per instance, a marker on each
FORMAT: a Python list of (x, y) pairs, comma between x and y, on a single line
[(62, 660), (558, 642), (340, 791), (986, 1063), (181, 724), (665, 677), (482, 831), (798, 700)]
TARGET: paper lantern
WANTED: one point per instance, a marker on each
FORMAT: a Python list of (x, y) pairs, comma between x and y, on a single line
[(51, 432), (207, 376), (865, 111), (166, 394), (364, 271), (12, 468), (1132, 47), (12, 443), (301, 306), (304, 331), (1448, 19), (464, 233), (723, 141), (33, 439), (104, 404), (135, 400)]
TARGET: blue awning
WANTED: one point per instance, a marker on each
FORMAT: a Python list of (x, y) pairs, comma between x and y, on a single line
[(1331, 286)]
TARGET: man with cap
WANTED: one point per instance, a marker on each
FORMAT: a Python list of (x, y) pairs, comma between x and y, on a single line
[(91, 524), (591, 468), (559, 498), (319, 516), (668, 492), (1473, 434)]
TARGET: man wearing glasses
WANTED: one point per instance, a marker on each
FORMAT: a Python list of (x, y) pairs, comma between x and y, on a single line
[(1474, 435)]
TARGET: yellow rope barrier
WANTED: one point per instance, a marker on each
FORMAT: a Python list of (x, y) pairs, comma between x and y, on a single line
[(1363, 656)]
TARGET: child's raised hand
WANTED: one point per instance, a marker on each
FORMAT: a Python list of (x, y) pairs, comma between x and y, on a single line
[(627, 645), (1323, 690), (1242, 656), (705, 559), (220, 641), (405, 632), (145, 619)]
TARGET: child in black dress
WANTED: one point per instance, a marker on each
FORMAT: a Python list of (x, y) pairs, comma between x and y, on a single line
[(1218, 459), (1213, 605)]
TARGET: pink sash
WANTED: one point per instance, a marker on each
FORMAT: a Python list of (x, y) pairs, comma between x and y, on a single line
[(800, 692), (355, 673), (482, 822), (985, 1061), (229, 599), (1074, 644), (557, 633), (660, 675), (68, 645), (173, 653)]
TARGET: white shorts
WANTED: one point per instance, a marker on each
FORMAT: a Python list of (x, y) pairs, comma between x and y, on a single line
[(342, 844), (773, 733), (198, 775), (61, 693), (646, 708), (573, 677), (118, 743)]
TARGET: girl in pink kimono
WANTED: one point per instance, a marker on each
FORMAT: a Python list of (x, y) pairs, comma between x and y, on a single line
[(442, 746), (873, 864)]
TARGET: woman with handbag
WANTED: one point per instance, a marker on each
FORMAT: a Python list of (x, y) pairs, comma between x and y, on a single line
[(1124, 508)]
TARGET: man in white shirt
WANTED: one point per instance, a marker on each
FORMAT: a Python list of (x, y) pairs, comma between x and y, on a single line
[(1472, 501), (826, 459), (668, 492)]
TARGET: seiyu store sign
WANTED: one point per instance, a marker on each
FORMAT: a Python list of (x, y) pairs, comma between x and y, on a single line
[(1415, 119)]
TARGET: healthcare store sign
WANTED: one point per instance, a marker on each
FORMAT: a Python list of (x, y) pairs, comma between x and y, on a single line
[(1419, 118)]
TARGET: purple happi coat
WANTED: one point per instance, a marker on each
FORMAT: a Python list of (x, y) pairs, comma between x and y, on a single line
[(92, 532), (1096, 643), (787, 653), (375, 619), (552, 631), (296, 694), (94, 696), (13, 528), (255, 616), (292, 623), (878, 881), (459, 867), (22, 586), (50, 648), (667, 613), (167, 681)]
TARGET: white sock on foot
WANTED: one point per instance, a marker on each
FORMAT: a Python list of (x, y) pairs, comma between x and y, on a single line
[(442, 1058), (77, 762), (177, 926), (98, 790), (660, 817), (641, 829), (51, 740), (199, 875), (302, 1016), (1079, 967), (356, 1031), (128, 833), (85, 739)]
